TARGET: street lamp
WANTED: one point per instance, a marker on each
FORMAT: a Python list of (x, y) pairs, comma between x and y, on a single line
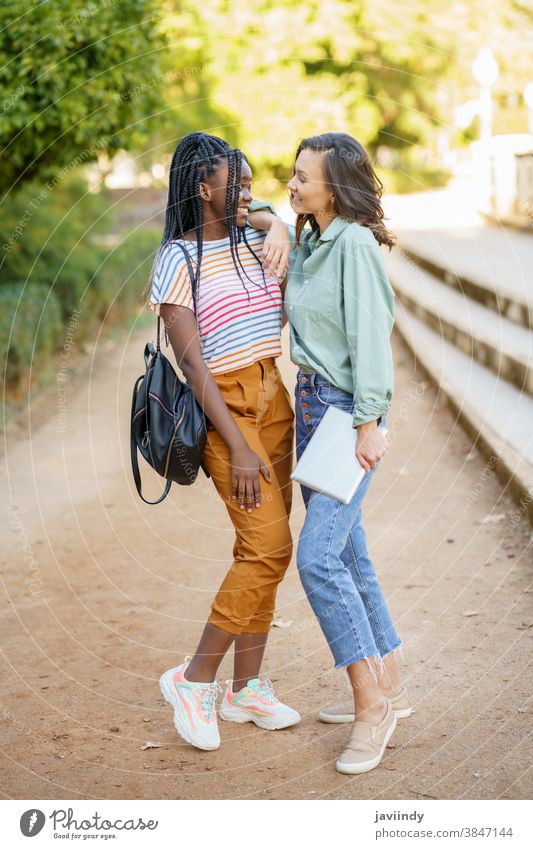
[(485, 70), (528, 97)]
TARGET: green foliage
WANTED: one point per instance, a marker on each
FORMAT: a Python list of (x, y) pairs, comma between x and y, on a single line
[(59, 264), (68, 78), (294, 69), (390, 77), (189, 73), (123, 276), (30, 326), (50, 238), (407, 177)]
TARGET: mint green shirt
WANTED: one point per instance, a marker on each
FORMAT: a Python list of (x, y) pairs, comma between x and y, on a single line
[(340, 307)]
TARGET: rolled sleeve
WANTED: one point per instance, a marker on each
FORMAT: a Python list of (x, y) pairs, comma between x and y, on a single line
[(369, 316), (258, 205)]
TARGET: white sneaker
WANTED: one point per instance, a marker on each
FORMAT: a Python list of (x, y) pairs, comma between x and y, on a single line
[(194, 704), (257, 702)]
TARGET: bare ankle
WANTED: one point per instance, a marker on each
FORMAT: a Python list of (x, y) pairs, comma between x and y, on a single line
[(199, 675), (373, 713)]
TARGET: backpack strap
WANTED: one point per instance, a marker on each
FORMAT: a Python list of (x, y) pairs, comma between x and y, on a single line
[(133, 452), (190, 269)]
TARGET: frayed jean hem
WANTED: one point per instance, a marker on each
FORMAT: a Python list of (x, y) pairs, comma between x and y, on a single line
[(365, 656)]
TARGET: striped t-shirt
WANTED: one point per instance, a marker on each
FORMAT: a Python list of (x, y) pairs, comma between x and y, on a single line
[(235, 330)]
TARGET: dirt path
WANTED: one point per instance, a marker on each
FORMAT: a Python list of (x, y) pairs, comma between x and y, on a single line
[(102, 593)]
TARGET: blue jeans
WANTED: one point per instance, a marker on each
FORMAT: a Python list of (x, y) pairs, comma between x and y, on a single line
[(333, 561)]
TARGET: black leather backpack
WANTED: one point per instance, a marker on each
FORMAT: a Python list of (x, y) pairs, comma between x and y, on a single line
[(168, 425)]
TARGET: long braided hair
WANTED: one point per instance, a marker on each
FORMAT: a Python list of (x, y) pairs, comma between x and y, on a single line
[(197, 157)]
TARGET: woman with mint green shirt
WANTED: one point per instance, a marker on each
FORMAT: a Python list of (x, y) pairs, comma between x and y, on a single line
[(340, 308)]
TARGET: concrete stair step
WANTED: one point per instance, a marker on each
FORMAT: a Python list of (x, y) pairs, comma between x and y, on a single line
[(498, 417), (484, 263), (480, 332)]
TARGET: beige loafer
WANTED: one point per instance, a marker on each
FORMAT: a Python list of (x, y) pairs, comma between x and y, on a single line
[(343, 711), (367, 744)]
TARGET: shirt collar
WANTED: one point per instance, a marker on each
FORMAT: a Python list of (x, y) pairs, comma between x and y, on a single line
[(334, 229)]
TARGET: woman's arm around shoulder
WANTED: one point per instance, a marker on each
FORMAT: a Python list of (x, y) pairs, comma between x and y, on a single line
[(279, 238)]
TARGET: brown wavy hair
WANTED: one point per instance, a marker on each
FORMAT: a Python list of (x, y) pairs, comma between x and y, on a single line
[(349, 174)]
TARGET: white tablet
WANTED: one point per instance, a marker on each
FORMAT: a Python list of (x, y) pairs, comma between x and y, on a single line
[(328, 464)]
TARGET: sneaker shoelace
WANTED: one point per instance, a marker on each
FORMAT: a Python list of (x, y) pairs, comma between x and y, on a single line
[(266, 689), (208, 696)]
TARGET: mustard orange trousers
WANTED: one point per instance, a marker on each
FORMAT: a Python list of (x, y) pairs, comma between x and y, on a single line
[(261, 407)]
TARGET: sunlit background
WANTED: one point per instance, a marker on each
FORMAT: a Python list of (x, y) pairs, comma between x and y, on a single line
[(103, 592), (95, 98)]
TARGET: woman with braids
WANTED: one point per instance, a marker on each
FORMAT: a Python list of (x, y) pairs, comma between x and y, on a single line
[(225, 334), (340, 307)]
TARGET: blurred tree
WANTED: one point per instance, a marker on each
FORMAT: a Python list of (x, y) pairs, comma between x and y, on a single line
[(77, 84), (288, 69), (391, 75), (185, 85), (74, 82)]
